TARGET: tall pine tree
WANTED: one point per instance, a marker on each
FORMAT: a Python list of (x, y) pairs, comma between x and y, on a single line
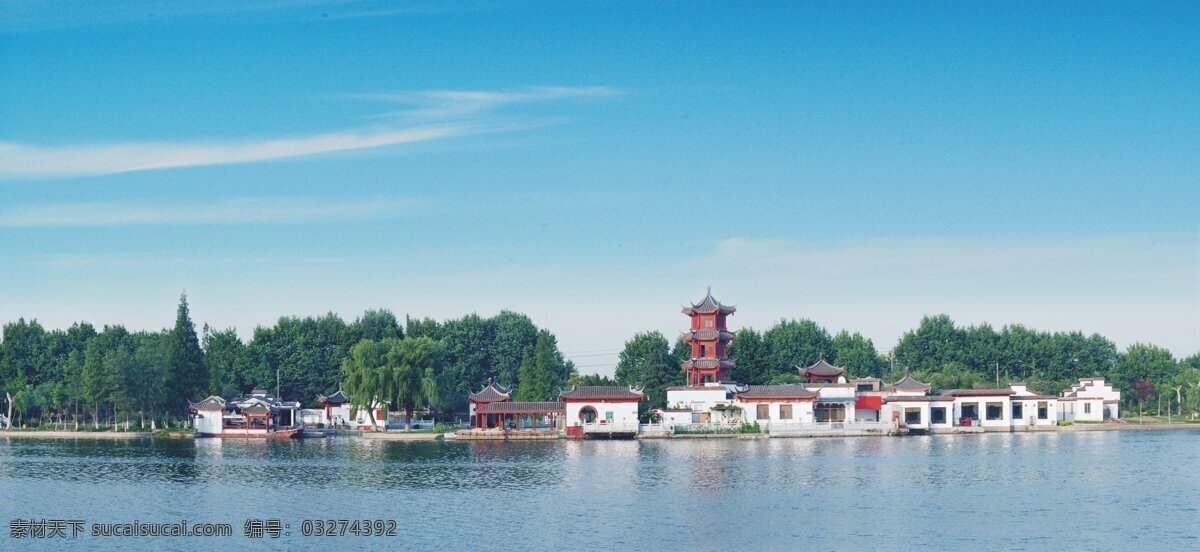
[(189, 375)]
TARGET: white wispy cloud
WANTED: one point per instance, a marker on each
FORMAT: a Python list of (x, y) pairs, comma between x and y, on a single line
[(451, 104), (235, 211), (27, 160), (433, 115)]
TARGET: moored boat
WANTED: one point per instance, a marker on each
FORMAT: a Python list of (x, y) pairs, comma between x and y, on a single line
[(260, 415)]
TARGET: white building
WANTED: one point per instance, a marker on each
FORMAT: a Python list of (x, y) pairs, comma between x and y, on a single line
[(710, 403), (1031, 409), (776, 404), (335, 412), (1090, 400), (259, 414), (609, 409)]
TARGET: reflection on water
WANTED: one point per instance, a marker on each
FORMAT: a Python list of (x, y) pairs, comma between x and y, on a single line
[(1070, 490)]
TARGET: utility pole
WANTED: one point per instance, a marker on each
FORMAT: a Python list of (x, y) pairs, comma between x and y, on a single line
[(997, 374)]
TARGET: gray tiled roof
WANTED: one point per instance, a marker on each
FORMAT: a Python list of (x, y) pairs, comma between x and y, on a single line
[(212, 403), (766, 391), (709, 363), (493, 392), (907, 382), (709, 304), (976, 392), (337, 398), (822, 368), (710, 334), (601, 392), (521, 407), (919, 398)]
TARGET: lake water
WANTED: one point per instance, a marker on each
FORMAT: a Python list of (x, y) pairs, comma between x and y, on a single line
[(1095, 490)]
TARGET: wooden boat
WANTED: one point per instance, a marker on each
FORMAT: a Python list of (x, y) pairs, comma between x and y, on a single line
[(289, 433)]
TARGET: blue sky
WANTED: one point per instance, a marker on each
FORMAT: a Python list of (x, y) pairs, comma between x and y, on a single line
[(596, 165)]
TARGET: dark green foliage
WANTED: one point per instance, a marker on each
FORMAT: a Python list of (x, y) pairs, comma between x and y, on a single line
[(647, 362), (189, 375), (795, 343), (544, 373), (116, 376), (749, 351), (857, 355)]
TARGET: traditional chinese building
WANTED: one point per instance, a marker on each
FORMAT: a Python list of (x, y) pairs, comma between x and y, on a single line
[(709, 340), (822, 371), (260, 414), (602, 411)]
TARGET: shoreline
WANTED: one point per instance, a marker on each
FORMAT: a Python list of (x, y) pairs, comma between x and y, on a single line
[(402, 436), (75, 434)]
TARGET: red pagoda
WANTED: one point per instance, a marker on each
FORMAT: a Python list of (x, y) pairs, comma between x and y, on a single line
[(709, 340)]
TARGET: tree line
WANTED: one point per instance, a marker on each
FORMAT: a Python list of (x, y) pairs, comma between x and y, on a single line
[(82, 375), (88, 377), (938, 352)]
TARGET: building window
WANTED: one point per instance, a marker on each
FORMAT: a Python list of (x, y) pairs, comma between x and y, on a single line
[(865, 387), (1018, 411), (912, 416), (1087, 408), (785, 412), (830, 412), (708, 323), (995, 411), (763, 412), (937, 415), (970, 411), (587, 414), (608, 416), (1043, 410), (703, 351)]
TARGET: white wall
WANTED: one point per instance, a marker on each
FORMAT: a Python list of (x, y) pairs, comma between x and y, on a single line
[(1029, 410), (208, 421), (697, 399), (981, 410), (802, 412), (623, 413)]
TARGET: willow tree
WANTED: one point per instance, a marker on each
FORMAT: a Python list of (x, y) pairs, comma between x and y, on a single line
[(368, 376), (413, 363)]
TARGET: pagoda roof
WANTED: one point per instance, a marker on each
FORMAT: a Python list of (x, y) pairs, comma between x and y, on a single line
[(602, 392), (211, 403), (256, 409), (337, 398), (493, 392), (789, 391), (506, 407), (710, 334), (822, 368), (709, 304), (908, 383), (709, 363)]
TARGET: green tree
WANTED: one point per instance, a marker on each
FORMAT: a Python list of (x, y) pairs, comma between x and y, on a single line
[(857, 354), (375, 324), (1145, 363), (544, 377), (92, 376), (795, 343), (221, 352), (189, 376), (646, 362), (749, 351), (412, 363), (368, 378), (934, 343)]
